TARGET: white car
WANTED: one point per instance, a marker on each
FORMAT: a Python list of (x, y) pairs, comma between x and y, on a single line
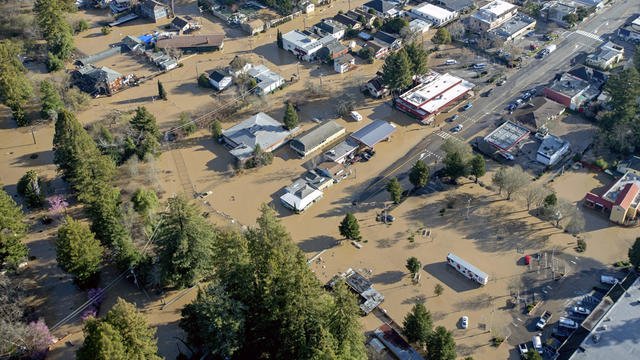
[(457, 128), (356, 116), (450, 62), (464, 322), (605, 279), (580, 310), (506, 155), (523, 348)]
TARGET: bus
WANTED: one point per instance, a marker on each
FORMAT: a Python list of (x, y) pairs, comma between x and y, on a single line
[(466, 269)]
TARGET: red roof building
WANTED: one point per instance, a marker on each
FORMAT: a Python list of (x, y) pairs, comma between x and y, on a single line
[(620, 200)]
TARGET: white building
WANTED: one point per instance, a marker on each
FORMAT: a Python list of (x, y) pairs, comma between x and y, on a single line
[(343, 63), (552, 149), (419, 26), (301, 45), (434, 14), (219, 80), (492, 15), (268, 81), (300, 196)]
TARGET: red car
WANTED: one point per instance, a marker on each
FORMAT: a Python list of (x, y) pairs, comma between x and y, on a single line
[(527, 259)]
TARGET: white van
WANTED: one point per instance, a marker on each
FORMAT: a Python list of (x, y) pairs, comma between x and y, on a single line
[(450, 62), (537, 343), (356, 116), (480, 66), (605, 279), (568, 323)]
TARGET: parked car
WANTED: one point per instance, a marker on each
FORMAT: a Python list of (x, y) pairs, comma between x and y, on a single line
[(501, 82), (519, 102), (464, 322), (457, 128), (523, 349), (356, 116), (453, 118), (581, 310), (450, 62), (364, 156), (370, 152), (488, 92), (508, 156), (533, 91), (527, 260), (512, 107), (389, 218), (567, 323), (526, 96), (479, 66), (610, 280), (466, 107)]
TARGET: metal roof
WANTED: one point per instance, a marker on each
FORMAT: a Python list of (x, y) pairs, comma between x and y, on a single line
[(317, 135), (259, 129), (374, 132), (192, 41)]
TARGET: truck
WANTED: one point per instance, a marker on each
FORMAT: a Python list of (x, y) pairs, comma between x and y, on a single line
[(551, 48), (468, 270), (544, 319)]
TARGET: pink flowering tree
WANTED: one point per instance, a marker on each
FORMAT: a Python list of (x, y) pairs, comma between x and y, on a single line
[(38, 339), (57, 203)]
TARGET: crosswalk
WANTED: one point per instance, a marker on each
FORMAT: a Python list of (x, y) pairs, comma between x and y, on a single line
[(589, 35), (426, 153), (445, 135)]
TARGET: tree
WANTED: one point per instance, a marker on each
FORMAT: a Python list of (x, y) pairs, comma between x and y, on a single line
[(349, 227), (290, 117), (279, 39), (395, 190), (186, 124), (377, 23), (532, 355), (185, 240), (477, 167), (634, 254), (418, 57), (105, 30), (12, 231), (162, 93), (456, 30), (550, 200), (203, 81), (454, 166), (396, 71), (395, 25), (238, 63), (15, 88), (442, 37), (460, 147), (77, 250), (498, 178), (624, 88), (343, 320), (418, 325), (81, 25), (216, 129), (419, 174), (29, 187), (576, 223), (636, 58), (413, 265), (441, 345), (367, 53), (50, 99), (145, 201), (534, 194), (122, 334), (145, 122), (514, 180), (57, 32), (438, 289)]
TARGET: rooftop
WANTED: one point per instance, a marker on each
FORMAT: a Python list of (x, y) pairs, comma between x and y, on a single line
[(186, 41), (216, 75), (385, 37), (624, 190), (302, 197), (370, 297), (396, 343), (506, 135), (380, 5), (179, 22), (456, 5), (436, 91), (513, 25), (551, 144), (433, 11), (538, 112), (496, 8), (330, 26), (569, 85), (259, 129), (344, 59), (374, 132), (339, 151), (264, 75), (345, 20), (301, 40), (631, 163), (317, 135)]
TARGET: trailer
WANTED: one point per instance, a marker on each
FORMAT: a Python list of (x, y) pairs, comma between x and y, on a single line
[(466, 269)]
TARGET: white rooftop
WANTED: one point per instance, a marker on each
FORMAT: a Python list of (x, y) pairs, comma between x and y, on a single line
[(433, 11), (551, 144), (301, 40), (497, 8), (301, 198)]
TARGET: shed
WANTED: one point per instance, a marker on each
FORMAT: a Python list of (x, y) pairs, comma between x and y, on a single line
[(317, 137), (373, 133)]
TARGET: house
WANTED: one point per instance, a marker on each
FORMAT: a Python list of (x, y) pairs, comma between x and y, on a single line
[(419, 26), (218, 80), (237, 72), (361, 16), (268, 81), (347, 22), (434, 93), (332, 49), (373, 133), (118, 6), (330, 27), (316, 138), (538, 113), (307, 7), (555, 11), (317, 179), (396, 343), (630, 165), (506, 136), (571, 92), (434, 14), (514, 28), (379, 50), (606, 57), (154, 10), (383, 9), (340, 152), (260, 129), (343, 63), (491, 16), (393, 42), (180, 24), (334, 170), (253, 27), (194, 43), (630, 31), (301, 45), (133, 43), (594, 77), (620, 200), (99, 81), (376, 88), (299, 196), (552, 149), (459, 6), (369, 298)]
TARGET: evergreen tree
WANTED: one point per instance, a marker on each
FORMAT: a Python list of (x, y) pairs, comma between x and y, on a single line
[(395, 190), (12, 231), (454, 167), (636, 58), (343, 321), (203, 81), (216, 129), (477, 167), (145, 122), (419, 174), (290, 117), (57, 32), (77, 251), (413, 265), (441, 345), (29, 187), (442, 37), (634, 254), (418, 325), (349, 227), (279, 39), (550, 200), (418, 57), (144, 201), (396, 71), (185, 242), (15, 88), (123, 334), (162, 93), (50, 99)]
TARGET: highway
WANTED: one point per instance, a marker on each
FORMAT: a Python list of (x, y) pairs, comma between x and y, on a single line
[(534, 73)]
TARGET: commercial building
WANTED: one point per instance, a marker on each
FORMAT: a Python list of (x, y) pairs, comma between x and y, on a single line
[(383, 9), (268, 81), (506, 136), (341, 152), (316, 138), (195, 43), (154, 10), (299, 196), (514, 28), (330, 27), (260, 129), (606, 57), (436, 91), (555, 11), (631, 31), (434, 14), (552, 149), (301, 45), (396, 343), (459, 6), (620, 200), (571, 92), (630, 165), (537, 113), (491, 16), (373, 133)]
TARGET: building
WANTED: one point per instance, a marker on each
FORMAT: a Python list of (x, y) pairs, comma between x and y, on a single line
[(459, 6), (376, 88), (316, 138), (299, 196), (154, 10), (491, 16), (379, 50), (606, 57), (373, 133), (343, 63), (630, 165), (180, 24), (594, 77), (369, 298), (98, 81), (118, 6), (514, 28), (240, 71), (538, 113), (307, 7), (571, 92), (334, 170), (436, 15), (419, 26), (301, 45), (555, 11), (552, 149), (620, 200), (268, 81), (383, 9), (347, 22), (133, 43), (331, 50), (317, 180), (341, 152), (360, 14), (260, 129), (396, 343), (434, 93), (506, 136), (193, 43), (631, 31), (219, 81), (393, 42), (330, 27), (252, 27)]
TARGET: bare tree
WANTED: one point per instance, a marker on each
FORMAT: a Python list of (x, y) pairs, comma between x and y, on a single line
[(461, 147), (314, 89), (563, 210), (456, 30), (346, 103), (576, 223), (132, 167), (409, 35), (534, 194), (514, 180)]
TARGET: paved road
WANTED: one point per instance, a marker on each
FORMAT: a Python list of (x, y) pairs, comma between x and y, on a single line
[(486, 110)]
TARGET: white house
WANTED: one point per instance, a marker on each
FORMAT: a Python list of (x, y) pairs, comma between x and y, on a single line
[(383, 9), (301, 45), (300, 196), (434, 14), (343, 62), (268, 81), (307, 7), (419, 26), (552, 149), (219, 80)]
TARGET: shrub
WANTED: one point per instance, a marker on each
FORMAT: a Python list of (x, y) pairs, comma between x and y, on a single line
[(54, 63), (582, 245), (106, 30), (497, 340), (203, 81), (601, 163), (81, 26)]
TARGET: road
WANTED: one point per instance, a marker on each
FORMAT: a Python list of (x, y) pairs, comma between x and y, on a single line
[(486, 110)]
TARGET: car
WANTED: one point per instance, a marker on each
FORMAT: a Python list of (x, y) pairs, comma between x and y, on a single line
[(506, 155), (453, 118), (479, 66), (501, 82), (365, 157), (457, 128), (370, 152), (467, 107), (356, 116), (450, 62), (610, 280), (527, 260), (519, 102), (523, 349), (533, 91), (512, 107), (389, 218), (464, 322), (526, 96), (580, 310), (488, 92)]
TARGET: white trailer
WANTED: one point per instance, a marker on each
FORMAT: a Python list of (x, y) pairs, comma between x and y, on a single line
[(467, 269)]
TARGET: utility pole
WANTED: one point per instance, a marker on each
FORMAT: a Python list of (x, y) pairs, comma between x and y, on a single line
[(33, 135)]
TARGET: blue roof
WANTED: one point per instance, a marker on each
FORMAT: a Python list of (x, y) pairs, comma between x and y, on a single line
[(145, 38), (374, 132)]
